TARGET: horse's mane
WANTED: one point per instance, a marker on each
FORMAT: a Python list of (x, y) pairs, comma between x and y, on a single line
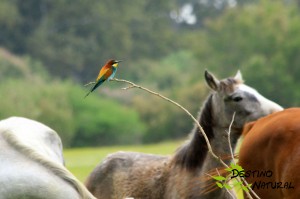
[(53, 166), (192, 154)]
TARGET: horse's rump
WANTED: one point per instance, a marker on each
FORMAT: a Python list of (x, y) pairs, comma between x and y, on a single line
[(272, 145), (32, 163), (135, 174)]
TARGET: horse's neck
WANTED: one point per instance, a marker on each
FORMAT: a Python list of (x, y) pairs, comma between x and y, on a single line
[(220, 146), (193, 154)]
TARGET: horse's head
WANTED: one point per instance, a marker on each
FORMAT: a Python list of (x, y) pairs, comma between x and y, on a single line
[(231, 96)]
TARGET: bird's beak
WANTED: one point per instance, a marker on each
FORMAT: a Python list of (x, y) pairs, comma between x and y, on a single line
[(118, 61)]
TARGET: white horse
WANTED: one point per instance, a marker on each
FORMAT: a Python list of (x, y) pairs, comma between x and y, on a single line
[(32, 163)]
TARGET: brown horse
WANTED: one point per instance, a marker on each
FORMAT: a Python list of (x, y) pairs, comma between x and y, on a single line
[(270, 155), (146, 176)]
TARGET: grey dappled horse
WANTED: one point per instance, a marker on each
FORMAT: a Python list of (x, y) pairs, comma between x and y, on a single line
[(32, 164), (146, 176)]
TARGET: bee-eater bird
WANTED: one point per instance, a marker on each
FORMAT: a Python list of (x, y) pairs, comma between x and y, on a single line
[(107, 72)]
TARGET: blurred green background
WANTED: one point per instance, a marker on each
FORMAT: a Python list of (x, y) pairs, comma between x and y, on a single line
[(50, 48)]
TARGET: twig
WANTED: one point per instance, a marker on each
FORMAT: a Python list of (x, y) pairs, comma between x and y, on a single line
[(225, 187), (133, 85), (232, 156), (227, 190), (90, 83), (228, 137), (251, 190)]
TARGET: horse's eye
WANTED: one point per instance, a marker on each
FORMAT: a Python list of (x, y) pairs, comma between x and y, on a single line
[(237, 99)]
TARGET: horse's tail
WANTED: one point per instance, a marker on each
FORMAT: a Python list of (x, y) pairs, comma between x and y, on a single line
[(53, 166)]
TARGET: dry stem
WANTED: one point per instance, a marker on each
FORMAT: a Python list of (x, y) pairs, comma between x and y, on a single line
[(232, 156), (133, 85)]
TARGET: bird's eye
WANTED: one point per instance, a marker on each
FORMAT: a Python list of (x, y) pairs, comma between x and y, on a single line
[(237, 99)]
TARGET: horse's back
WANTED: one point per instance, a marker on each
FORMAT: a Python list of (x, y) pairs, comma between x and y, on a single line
[(129, 174), (272, 144), (22, 143), (34, 134), (24, 179)]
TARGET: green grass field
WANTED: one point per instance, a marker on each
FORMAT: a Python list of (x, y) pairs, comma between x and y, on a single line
[(82, 161)]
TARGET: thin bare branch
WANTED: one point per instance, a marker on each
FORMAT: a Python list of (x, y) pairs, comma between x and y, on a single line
[(228, 137), (227, 190), (90, 83), (133, 85), (232, 156), (251, 190)]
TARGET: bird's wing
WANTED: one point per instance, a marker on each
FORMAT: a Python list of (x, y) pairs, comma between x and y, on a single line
[(102, 72)]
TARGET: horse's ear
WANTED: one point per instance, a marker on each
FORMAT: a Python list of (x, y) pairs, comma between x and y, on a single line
[(211, 80), (239, 76)]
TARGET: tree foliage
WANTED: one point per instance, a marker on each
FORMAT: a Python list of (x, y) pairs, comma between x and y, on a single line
[(71, 37), (260, 40), (60, 105)]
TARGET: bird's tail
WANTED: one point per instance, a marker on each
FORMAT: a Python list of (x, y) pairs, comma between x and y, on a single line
[(95, 86), (87, 94)]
